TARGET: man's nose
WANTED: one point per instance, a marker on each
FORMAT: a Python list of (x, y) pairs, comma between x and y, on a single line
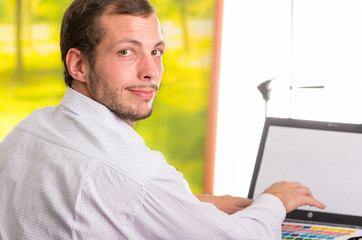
[(147, 68)]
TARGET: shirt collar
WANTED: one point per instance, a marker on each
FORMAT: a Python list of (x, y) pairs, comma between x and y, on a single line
[(87, 107)]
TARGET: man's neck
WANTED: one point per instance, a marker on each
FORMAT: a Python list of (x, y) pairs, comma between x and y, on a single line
[(82, 88)]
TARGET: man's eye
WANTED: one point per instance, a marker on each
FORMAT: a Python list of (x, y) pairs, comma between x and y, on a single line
[(156, 53), (125, 52)]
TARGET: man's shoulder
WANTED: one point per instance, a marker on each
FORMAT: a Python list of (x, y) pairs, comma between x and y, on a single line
[(119, 148)]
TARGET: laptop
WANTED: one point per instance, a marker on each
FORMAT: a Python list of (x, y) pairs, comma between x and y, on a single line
[(326, 157)]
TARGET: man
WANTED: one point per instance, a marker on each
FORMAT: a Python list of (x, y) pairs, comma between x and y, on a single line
[(80, 171)]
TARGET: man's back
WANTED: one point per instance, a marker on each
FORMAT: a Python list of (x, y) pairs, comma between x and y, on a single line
[(58, 173)]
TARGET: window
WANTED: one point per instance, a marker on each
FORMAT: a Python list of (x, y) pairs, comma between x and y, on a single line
[(312, 49)]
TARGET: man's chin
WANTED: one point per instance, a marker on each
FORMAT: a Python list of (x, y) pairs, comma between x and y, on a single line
[(133, 117)]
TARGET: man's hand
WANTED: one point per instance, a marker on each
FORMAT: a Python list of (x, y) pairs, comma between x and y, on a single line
[(293, 195), (226, 203)]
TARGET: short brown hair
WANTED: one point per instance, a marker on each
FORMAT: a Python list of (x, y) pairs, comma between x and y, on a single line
[(80, 26)]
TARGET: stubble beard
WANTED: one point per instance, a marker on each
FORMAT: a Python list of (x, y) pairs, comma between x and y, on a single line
[(109, 98)]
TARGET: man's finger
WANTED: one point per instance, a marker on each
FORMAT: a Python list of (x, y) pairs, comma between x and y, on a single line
[(314, 202)]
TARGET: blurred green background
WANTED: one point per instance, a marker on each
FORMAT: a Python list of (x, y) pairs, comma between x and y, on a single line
[(31, 74)]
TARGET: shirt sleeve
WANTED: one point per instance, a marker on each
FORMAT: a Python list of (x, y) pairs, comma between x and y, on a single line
[(170, 211)]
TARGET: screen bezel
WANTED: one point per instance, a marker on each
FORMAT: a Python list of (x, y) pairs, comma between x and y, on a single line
[(306, 215)]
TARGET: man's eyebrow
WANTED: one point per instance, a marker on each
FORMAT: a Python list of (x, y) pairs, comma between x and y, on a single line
[(138, 43), (160, 44), (132, 41)]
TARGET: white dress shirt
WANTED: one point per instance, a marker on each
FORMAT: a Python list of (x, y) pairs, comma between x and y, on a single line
[(77, 171)]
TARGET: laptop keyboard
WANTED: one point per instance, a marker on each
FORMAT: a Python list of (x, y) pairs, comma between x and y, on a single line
[(305, 232)]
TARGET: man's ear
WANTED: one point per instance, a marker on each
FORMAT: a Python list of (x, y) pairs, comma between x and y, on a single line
[(76, 64)]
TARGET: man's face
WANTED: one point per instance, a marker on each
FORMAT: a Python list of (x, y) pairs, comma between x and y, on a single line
[(128, 69)]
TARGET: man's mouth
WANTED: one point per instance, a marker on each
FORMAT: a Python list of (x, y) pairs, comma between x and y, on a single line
[(144, 92)]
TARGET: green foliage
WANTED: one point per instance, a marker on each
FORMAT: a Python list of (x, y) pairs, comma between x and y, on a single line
[(172, 9), (177, 127), (7, 11), (2, 10), (18, 99), (49, 10)]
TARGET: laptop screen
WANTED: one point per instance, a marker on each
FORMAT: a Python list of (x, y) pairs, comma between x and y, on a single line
[(326, 157)]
